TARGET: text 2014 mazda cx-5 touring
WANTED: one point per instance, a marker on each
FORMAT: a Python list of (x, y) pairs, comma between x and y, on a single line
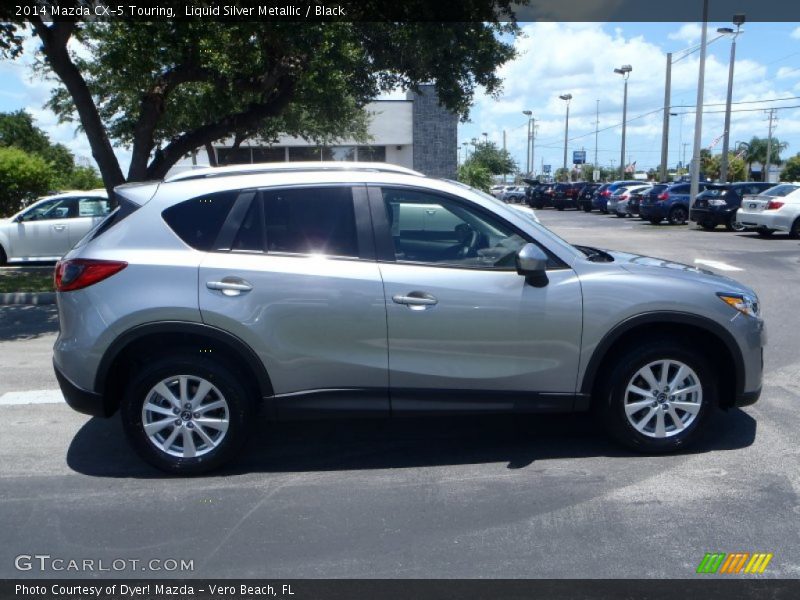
[(372, 290)]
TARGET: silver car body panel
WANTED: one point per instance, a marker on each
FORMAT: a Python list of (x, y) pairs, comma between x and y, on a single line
[(330, 324)]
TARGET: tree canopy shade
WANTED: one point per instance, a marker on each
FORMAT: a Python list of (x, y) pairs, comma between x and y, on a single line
[(166, 88), (791, 170), (495, 160)]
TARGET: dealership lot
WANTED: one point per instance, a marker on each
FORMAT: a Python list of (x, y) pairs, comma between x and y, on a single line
[(539, 496)]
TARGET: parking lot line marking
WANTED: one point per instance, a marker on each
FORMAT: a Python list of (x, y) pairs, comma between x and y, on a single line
[(715, 264), (32, 397)]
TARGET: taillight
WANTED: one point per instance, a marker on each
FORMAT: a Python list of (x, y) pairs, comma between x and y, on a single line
[(78, 273), (773, 205), (605, 193), (624, 197), (663, 196)]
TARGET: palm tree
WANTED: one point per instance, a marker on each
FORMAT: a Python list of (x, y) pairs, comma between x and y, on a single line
[(756, 151)]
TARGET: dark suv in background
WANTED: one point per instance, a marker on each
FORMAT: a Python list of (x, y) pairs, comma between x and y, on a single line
[(565, 195), (584, 200), (718, 204), (670, 202)]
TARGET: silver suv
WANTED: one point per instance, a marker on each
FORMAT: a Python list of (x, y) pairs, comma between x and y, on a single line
[(372, 290)]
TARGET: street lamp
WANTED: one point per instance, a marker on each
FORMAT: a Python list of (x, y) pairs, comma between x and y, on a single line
[(566, 98), (738, 20), (680, 139), (466, 150), (625, 71), (485, 137), (528, 114)]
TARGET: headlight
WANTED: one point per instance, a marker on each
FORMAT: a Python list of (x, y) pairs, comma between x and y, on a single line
[(741, 302), (717, 202)]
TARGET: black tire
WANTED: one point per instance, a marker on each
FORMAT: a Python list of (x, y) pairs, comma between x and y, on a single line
[(621, 215), (678, 215), (732, 226), (707, 225), (611, 403), (764, 232), (559, 207), (654, 220), (794, 232), (240, 402), (3, 256), (587, 208)]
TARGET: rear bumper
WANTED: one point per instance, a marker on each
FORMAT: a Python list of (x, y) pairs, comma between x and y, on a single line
[(650, 211), (768, 220), (83, 401), (707, 215)]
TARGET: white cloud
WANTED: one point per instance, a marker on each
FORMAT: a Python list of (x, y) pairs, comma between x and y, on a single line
[(689, 33), (787, 72), (796, 33), (549, 65)]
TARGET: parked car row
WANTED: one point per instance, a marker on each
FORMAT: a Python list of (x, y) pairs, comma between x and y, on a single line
[(765, 207)]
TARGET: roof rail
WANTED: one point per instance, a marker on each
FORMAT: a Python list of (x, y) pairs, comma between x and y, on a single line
[(283, 167)]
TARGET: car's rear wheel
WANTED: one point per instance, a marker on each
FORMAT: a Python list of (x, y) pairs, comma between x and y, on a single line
[(764, 232), (654, 220), (707, 225), (187, 414), (587, 208), (659, 396), (678, 215), (3, 256)]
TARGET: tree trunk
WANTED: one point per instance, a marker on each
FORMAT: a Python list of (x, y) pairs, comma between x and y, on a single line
[(212, 154), (54, 44)]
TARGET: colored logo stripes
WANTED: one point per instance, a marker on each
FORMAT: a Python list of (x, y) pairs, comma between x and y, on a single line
[(734, 563)]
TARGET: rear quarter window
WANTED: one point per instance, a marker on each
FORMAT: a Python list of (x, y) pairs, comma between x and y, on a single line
[(198, 221)]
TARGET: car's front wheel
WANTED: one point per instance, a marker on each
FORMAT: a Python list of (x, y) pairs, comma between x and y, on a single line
[(764, 232), (733, 224), (658, 397), (187, 414)]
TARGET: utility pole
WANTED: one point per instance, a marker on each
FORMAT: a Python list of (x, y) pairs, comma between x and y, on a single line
[(769, 144), (665, 128), (504, 151), (723, 166), (698, 120), (528, 114), (566, 98), (533, 145), (625, 71), (596, 129)]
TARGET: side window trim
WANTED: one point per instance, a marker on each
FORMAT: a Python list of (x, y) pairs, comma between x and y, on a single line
[(230, 227)]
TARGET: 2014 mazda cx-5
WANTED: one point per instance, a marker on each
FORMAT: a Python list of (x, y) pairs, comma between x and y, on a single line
[(369, 289)]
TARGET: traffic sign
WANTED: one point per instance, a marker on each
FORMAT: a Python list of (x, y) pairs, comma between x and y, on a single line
[(579, 157)]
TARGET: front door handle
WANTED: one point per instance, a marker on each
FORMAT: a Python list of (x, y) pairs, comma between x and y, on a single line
[(230, 286), (415, 300), (59, 227)]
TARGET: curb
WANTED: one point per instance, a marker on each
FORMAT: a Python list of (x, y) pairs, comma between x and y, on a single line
[(35, 298)]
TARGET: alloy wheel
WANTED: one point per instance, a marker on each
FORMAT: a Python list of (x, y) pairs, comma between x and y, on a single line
[(663, 398), (185, 416)]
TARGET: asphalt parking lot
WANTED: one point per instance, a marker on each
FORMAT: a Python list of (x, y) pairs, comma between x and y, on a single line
[(539, 496)]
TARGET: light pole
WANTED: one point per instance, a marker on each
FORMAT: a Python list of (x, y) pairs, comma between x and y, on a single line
[(466, 150), (694, 187), (528, 113), (738, 20), (566, 98), (625, 71), (485, 137)]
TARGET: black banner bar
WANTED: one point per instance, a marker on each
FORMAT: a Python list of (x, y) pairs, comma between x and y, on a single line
[(713, 588)]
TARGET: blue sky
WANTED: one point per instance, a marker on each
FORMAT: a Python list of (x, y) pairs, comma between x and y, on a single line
[(579, 58)]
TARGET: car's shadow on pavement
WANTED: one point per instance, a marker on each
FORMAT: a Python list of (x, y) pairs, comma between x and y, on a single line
[(99, 448), (25, 322)]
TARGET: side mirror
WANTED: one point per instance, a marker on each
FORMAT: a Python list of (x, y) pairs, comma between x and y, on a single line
[(532, 263)]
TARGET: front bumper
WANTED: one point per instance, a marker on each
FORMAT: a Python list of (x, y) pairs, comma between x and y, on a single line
[(83, 401)]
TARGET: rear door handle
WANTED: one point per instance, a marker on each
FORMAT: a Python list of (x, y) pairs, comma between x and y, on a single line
[(415, 300), (230, 286), (59, 227)]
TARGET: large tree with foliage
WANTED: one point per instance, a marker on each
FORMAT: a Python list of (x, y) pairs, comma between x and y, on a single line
[(791, 170), (165, 88), (496, 160), (755, 151)]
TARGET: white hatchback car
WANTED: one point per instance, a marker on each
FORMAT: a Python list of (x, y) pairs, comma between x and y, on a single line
[(776, 209), (47, 229)]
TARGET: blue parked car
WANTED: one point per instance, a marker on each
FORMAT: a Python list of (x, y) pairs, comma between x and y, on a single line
[(601, 196), (670, 202)]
